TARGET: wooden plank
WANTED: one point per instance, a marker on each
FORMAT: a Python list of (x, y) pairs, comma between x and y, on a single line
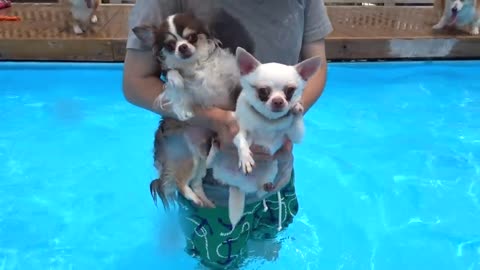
[(119, 27), (383, 22), (56, 50), (394, 32), (423, 2), (49, 21), (370, 49), (359, 33), (35, 1), (43, 34)]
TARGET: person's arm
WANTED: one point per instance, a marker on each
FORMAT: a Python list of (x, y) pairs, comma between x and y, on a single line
[(316, 83), (141, 83), (317, 27), (141, 73)]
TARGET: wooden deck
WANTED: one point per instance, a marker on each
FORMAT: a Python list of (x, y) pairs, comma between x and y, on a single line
[(394, 32), (360, 32)]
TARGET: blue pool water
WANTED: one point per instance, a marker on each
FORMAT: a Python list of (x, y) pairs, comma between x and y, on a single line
[(388, 176)]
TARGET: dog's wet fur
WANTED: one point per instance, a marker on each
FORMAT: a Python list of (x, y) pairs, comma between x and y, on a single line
[(183, 44)]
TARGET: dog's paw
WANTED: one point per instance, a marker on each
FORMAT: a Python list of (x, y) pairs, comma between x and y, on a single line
[(298, 108), (246, 162), (94, 19), (475, 31), (194, 198), (437, 26), (161, 103), (207, 203), (200, 194), (77, 30), (190, 195), (268, 187), (185, 115), (174, 79)]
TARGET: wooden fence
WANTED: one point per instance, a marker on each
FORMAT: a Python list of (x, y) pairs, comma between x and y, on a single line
[(327, 2), (363, 30)]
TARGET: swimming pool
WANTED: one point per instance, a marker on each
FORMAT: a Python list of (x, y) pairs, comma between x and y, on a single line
[(388, 176)]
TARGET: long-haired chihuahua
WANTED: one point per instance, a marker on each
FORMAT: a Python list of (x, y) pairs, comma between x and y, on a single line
[(200, 73)]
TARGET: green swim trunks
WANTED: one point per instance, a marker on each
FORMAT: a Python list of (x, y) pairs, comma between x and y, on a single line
[(209, 234)]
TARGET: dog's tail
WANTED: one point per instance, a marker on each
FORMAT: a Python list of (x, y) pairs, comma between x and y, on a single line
[(164, 187)]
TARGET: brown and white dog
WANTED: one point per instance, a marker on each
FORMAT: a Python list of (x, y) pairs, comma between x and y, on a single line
[(200, 73), (82, 14), (459, 14)]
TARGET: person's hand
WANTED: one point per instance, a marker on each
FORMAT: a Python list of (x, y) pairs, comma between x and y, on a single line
[(227, 128), (260, 153), (282, 154)]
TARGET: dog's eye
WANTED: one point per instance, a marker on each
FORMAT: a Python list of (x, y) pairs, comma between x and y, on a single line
[(289, 91), (192, 38), (170, 46), (263, 93)]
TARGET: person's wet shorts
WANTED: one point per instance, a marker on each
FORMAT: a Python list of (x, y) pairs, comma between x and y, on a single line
[(208, 230)]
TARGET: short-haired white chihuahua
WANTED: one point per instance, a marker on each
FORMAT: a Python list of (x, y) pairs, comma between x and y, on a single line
[(268, 111)]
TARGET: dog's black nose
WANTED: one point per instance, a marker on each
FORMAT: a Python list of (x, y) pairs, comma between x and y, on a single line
[(454, 10), (183, 48), (278, 103), (185, 51)]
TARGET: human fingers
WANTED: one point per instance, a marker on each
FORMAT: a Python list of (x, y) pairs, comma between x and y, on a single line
[(260, 153), (285, 152), (226, 128), (263, 153)]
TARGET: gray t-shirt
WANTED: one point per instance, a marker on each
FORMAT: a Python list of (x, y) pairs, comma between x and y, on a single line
[(279, 29)]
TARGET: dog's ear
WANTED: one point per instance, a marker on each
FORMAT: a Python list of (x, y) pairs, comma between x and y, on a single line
[(308, 67), (198, 24), (146, 34), (246, 62), (204, 29)]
